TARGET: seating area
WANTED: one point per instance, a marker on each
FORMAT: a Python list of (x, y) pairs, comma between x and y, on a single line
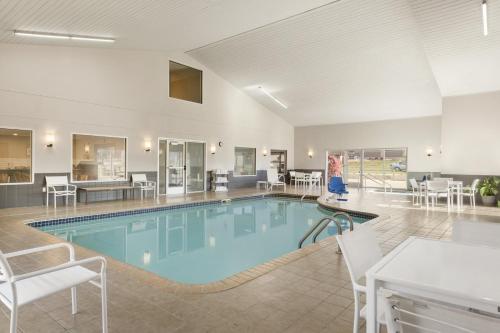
[(249, 166), (451, 190)]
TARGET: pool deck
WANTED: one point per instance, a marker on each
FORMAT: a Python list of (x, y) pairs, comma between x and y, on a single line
[(309, 292)]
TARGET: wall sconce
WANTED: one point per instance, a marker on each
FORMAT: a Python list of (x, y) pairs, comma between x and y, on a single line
[(212, 149), (86, 148), (49, 139), (264, 151), (310, 154), (429, 152), (147, 145), (146, 258)]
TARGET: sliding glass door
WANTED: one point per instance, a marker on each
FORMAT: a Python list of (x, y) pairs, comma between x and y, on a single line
[(176, 167), (162, 166), (353, 167), (375, 168), (395, 167), (195, 167), (181, 166)]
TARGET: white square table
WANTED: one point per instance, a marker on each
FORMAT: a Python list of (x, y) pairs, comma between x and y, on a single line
[(458, 274)]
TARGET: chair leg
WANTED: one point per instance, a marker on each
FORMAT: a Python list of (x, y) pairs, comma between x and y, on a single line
[(355, 329), (74, 305), (55, 201), (104, 303), (13, 319)]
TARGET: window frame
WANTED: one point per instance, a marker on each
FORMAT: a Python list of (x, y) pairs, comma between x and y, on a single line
[(170, 85), (125, 179), (32, 171), (255, 162)]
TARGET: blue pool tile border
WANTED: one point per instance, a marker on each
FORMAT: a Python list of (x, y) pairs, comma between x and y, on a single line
[(73, 219)]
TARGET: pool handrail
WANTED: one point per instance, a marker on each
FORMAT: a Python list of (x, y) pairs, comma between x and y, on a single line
[(337, 223), (320, 224)]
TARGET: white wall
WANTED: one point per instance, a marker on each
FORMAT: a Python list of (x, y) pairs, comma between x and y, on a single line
[(416, 134), (471, 134), (125, 93)]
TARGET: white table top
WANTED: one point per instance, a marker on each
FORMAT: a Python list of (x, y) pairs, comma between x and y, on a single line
[(468, 272)]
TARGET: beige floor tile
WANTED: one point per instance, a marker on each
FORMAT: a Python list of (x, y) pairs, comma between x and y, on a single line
[(308, 291)]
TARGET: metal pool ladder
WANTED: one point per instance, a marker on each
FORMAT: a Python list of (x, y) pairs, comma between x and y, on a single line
[(323, 223)]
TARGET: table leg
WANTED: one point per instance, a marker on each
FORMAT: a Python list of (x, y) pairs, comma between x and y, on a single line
[(371, 305), (461, 197)]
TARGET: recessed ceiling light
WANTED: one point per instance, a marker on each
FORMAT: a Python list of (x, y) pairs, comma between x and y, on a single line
[(484, 7), (273, 98), (62, 36)]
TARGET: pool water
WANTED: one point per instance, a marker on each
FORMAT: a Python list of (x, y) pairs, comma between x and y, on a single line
[(201, 244)]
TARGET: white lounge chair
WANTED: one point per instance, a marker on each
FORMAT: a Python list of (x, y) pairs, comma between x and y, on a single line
[(361, 251), (22, 289), (58, 186), (273, 179), (140, 180)]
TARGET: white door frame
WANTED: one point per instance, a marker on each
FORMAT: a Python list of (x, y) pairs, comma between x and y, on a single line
[(184, 141)]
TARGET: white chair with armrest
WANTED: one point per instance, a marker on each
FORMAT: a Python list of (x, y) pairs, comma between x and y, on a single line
[(17, 290), (140, 180), (59, 186)]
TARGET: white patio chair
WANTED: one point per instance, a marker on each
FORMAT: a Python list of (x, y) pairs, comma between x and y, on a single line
[(476, 233), (361, 251), (315, 179), (58, 186), (292, 177), (273, 179), (416, 191), (300, 179), (22, 289), (471, 191), (411, 314), (140, 180), (436, 189)]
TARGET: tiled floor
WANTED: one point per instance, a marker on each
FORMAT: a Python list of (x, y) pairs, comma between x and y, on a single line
[(310, 294)]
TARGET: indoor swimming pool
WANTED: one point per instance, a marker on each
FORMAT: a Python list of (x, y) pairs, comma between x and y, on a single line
[(201, 243)]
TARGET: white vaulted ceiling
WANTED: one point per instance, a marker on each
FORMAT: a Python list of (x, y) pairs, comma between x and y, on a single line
[(351, 61), (328, 61), (168, 25), (463, 60)]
